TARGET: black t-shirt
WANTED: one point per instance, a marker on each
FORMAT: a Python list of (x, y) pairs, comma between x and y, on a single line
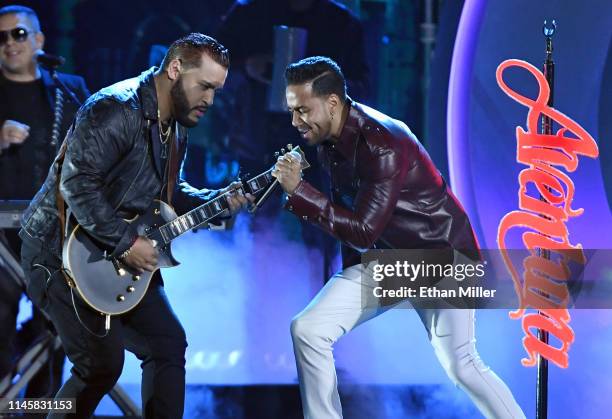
[(23, 167)]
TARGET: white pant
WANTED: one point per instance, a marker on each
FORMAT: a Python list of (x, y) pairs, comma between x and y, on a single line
[(338, 308)]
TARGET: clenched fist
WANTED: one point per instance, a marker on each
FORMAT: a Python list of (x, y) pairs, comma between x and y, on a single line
[(288, 171), (13, 132)]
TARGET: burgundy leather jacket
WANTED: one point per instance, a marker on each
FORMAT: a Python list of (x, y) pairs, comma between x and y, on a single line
[(386, 192)]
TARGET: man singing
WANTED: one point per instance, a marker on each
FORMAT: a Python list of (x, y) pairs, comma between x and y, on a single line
[(386, 193), (124, 151)]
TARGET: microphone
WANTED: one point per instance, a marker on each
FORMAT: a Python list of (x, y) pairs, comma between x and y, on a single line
[(295, 154), (49, 61)]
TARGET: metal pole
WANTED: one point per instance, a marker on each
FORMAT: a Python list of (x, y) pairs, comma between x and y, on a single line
[(547, 128)]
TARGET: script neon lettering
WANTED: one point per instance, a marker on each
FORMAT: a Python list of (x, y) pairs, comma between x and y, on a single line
[(543, 285)]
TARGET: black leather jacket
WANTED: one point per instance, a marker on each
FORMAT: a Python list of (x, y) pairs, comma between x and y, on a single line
[(112, 169), (386, 192)]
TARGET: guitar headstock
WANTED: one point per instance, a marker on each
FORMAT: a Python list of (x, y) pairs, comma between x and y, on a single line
[(297, 152)]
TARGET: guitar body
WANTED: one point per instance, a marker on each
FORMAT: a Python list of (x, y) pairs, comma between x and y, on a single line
[(109, 286), (112, 288)]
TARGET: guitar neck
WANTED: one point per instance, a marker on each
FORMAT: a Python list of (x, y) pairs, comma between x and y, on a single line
[(212, 208)]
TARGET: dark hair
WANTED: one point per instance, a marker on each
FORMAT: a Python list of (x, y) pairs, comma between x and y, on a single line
[(189, 50), (16, 9), (325, 75)]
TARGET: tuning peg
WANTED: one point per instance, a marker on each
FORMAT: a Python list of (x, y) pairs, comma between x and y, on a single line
[(283, 151), (289, 147), (276, 154)]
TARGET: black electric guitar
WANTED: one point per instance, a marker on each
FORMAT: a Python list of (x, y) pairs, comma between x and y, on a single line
[(111, 287)]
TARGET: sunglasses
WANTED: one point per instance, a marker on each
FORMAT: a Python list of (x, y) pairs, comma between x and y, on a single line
[(18, 34)]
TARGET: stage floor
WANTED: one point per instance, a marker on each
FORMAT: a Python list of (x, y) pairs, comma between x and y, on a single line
[(283, 402)]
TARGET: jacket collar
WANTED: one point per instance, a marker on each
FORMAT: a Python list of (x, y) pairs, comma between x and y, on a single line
[(148, 100), (148, 94), (49, 84), (45, 77), (350, 131)]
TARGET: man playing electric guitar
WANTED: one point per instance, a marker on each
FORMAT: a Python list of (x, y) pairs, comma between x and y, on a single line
[(123, 152)]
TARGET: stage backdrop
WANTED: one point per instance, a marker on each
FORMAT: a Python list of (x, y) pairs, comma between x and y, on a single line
[(481, 150)]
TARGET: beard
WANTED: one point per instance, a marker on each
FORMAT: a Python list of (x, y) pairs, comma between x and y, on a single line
[(180, 103)]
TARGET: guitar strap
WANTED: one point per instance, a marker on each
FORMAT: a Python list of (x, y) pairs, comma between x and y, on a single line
[(172, 164), (169, 163), (61, 206)]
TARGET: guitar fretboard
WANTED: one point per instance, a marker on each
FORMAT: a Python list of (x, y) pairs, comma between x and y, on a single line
[(211, 209)]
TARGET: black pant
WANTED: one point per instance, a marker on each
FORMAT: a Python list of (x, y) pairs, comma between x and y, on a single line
[(151, 331), (49, 378)]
